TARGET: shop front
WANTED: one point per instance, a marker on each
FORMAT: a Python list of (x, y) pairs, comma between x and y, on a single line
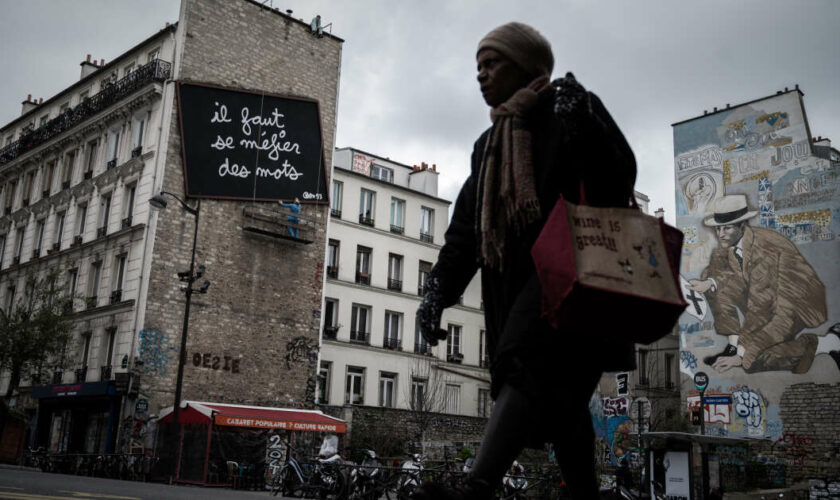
[(219, 444), (77, 418)]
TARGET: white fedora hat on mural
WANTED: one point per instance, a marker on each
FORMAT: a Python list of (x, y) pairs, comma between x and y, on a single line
[(729, 209)]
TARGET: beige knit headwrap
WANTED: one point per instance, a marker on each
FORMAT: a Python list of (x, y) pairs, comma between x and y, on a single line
[(523, 45)]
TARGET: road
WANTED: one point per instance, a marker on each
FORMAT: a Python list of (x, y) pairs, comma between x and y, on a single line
[(28, 485)]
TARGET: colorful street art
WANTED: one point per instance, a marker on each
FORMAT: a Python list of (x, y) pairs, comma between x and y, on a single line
[(760, 213), (155, 351)]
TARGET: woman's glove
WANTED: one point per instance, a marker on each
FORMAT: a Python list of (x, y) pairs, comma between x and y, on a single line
[(430, 311)]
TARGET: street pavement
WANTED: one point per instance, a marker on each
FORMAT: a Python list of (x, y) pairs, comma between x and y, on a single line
[(31, 485)]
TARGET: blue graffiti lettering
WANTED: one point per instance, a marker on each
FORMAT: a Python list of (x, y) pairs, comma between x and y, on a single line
[(688, 360), (155, 351)]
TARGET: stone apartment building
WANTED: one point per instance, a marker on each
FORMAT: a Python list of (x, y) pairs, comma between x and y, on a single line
[(77, 172), (386, 228)]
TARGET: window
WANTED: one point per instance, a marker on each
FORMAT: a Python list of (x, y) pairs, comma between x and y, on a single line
[(2, 249), (397, 215), (483, 356), (366, 205), (419, 388), (46, 180), (85, 354), (335, 203), (642, 369), (393, 329), (381, 173), (330, 318), (363, 265), (354, 392), (453, 342), (387, 389), (128, 204), (107, 363), (420, 344), (19, 244), (119, 278), (72, 279), (93, 283), (104, 213), (484, 403), (669, 367), (113, 148), (427, 223), (39, 238), (64, 108), (69, 161), (423, 273), (91, 158), (81, 215), (27, 187), (43, 121), (452, 398), (83, 95), (10, 195), (10, 298), (154, 54), (138, 125), (395, 272), (128, 69), (332, 259), (322, 388), (359, 323)]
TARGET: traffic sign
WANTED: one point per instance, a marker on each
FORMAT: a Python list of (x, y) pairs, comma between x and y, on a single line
[(701, 380)]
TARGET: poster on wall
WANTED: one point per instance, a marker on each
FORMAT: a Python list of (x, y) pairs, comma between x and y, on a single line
[(760, 209), (677, 485), (245, 145)]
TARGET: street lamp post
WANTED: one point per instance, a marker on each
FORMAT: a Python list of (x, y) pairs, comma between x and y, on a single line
[(159, 202)]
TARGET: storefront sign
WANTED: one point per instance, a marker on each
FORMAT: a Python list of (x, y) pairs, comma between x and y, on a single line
[(247, 145), (121, 380), (142, 406), (265, 423), (65, 390)]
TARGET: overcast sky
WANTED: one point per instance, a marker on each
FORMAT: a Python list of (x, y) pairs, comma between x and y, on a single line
[(408, 88)]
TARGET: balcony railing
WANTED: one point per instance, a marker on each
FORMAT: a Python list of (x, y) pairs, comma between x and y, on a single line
[(456, 357), (116, 296), (484, 363), (335, 213), (126, 222), (105, 373), (154, 71), (77, 240), (137, 151), (102, 231), (394, 284), (362, 278), (359, 337), (367, 221), (88, 174), (45, 193), (36, 253), (391, 343), (330, 332), (427, 237), (423, 348), (81, 374), (397, 229), (332, 272)]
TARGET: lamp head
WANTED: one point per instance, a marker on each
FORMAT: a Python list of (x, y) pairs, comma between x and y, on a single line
[(204, 287), (158, 201)]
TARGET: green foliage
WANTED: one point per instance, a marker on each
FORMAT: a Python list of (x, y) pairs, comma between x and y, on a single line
[(465, 453), (35, 328)]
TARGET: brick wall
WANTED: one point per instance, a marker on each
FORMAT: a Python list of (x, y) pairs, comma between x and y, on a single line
[(265, 292)]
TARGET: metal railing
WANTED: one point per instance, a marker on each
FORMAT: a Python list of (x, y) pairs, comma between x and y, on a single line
[(362, 278), (394, 284), (154, 71), (367, 221), (332, 272), (391, 343), (330, 332), (427, 237), (359, 337)]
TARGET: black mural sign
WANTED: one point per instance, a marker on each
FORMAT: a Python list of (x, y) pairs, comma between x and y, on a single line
[(246, 145)]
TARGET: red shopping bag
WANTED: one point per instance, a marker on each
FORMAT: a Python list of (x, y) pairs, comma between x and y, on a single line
[(611, 272)]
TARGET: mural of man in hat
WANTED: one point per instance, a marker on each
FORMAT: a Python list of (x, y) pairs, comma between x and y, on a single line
[(762, 293)]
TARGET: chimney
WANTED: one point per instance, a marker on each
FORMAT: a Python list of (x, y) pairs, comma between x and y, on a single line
[(660, 213), (101, 62), (28, 105), (88, 68), (424, 179)]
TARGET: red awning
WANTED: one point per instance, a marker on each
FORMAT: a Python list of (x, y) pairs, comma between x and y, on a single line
[(256, 417)]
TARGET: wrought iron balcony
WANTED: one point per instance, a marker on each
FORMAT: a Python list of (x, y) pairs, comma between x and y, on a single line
[(45, 193), (65, 185), (105, 373), (397, 229), (391, 343), (154, 71), (116, 296), (394, 284), (77, 240), (102, 231), (111, 164), (332, 272), (36, 253), (330, 332), (362, 278), (81, 374), (137, 151), (25, 202), (426, 237), (88, 174), (335, 213), (423, 348), (456, 357), (367, 221), (56, 246), (126, 222), (359, 337)]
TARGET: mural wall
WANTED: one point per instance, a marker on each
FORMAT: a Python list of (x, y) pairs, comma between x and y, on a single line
[(761, 217)]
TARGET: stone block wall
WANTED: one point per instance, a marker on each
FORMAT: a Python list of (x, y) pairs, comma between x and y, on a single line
[(253, 338)]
